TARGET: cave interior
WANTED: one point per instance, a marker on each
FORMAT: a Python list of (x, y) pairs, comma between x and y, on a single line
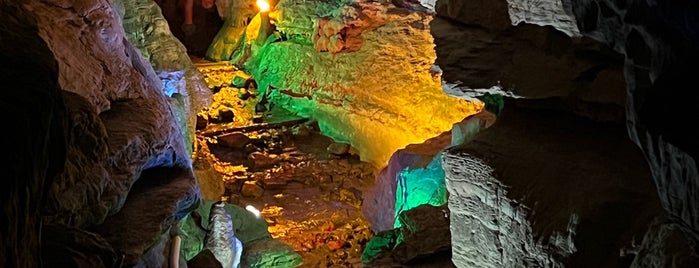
[(349, 133)]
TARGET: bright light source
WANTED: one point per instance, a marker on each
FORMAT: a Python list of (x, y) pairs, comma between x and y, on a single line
[(263, 5), (253, 210)]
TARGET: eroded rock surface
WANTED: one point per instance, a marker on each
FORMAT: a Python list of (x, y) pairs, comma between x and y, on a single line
[(33, 142), (541, 188), (661, 44), (362, 69), (119, 130)]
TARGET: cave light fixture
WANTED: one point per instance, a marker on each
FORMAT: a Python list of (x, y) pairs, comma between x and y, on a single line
[(253, 210), (263, 5)]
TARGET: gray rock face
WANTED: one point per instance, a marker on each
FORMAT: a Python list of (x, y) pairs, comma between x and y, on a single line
[(221, 240), (530, 60), (664, 245), (540, 188), (32, 140), (544, 12), (661, 44)]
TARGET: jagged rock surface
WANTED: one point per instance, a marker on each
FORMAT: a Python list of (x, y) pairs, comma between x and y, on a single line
[(147, 30), (547, 12), (330, 64), (32, 140), (661, 44), (541, 188), (530, 60), (417, 169), (119, 128)]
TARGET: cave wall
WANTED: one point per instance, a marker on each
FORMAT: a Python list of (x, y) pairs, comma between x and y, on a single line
[(661, 44), (658, 44), (545, 188), (127, 174), (33, 109), (362, 69)]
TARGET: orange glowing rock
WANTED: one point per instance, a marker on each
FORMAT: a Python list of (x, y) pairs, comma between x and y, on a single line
[(334, 245)]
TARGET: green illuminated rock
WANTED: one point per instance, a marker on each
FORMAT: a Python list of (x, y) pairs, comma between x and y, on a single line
[(260, 250), (360, 68)]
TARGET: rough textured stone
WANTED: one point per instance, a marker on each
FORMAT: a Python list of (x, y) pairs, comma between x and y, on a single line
[(72, 247), (147, 30), (221, 240), (248, 228), (664, 245), (210, 181), (381, 201), (120, 127), (338, 148), (661, 44), (549, 195), (406, 106), (161, 197), (235, 140), (533, 61), (32, 138), (547, 12), (426, 232), (270, 253), (251, 189), (484, 13)]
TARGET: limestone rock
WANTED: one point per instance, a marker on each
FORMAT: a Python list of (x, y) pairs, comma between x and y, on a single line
[(337, 148), (488, 14), (251, 189), (162, 197), (406, 106), (71, 247), (661, 45), (542, 214), (136, 116), (270, 253), (664, 245), (221, 240), (547, 12), (248, 228), (210, 181), (147, 30), (534, 62), (425, 232), (262, 160), (33, 140)]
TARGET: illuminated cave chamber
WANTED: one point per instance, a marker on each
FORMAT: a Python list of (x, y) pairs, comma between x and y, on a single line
[(326, 129)]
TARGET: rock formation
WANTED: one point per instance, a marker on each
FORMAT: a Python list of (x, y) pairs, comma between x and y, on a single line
[(33, 137), (362, 69), (127, 174)]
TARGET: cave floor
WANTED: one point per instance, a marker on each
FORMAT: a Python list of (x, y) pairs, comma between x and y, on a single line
[(307, 187)]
